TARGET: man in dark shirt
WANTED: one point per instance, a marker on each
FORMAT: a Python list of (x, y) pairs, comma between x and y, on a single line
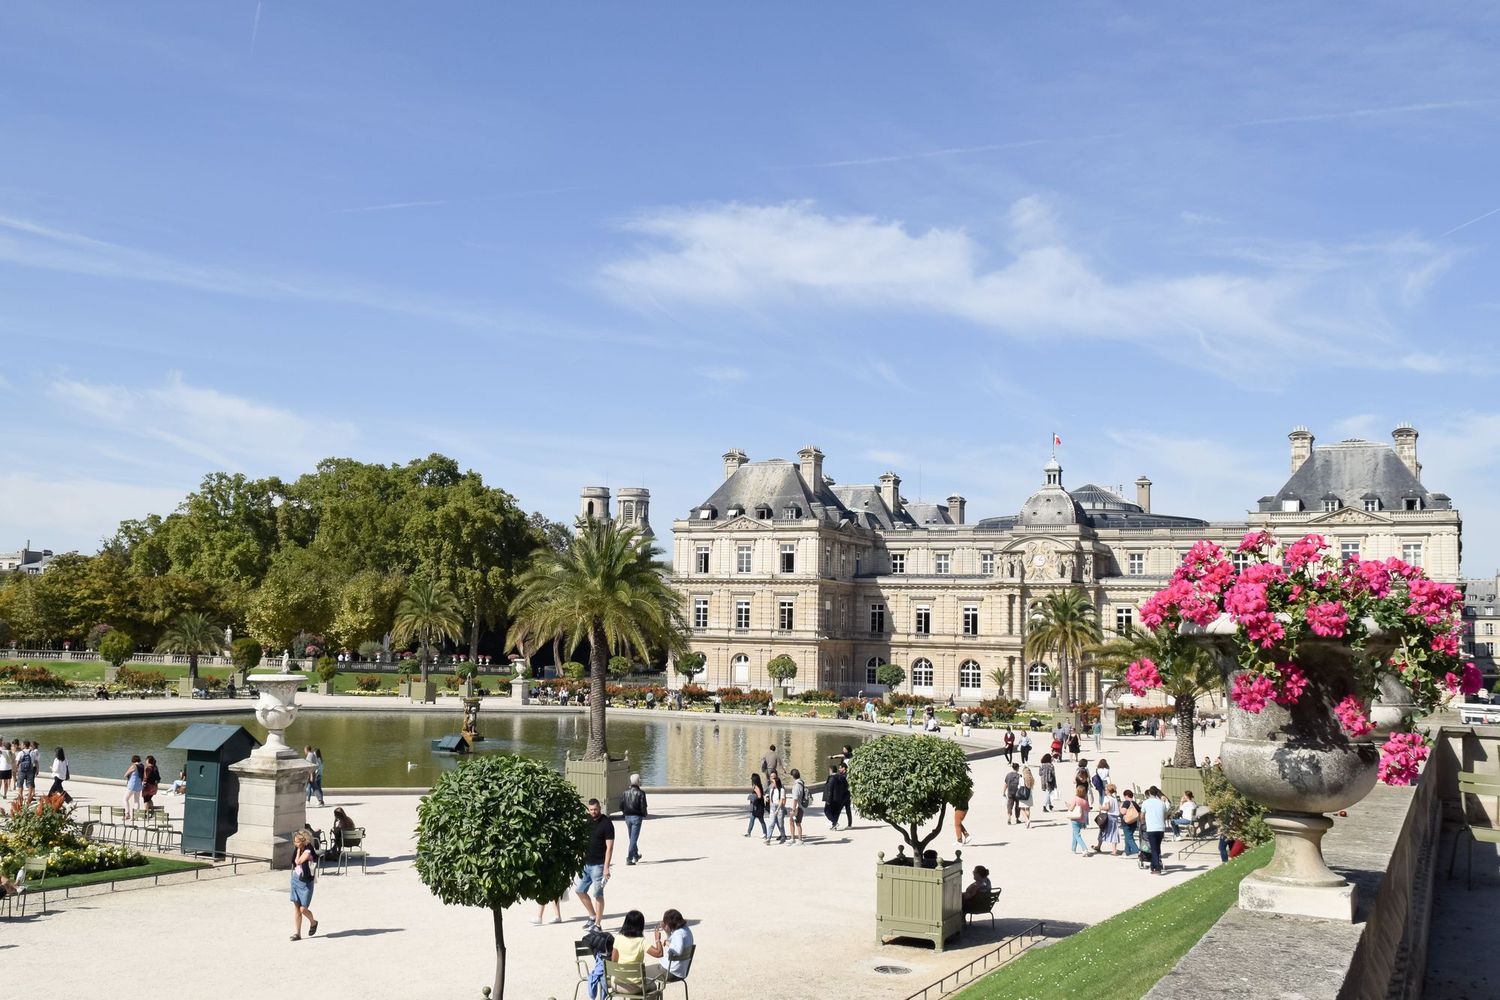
[(770, 763), (590, 885), (633, 806), (1012, 803), (835, 795)]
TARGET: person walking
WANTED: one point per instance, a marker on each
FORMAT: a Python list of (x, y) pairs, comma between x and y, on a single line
[(776, 803), (799, 799), (1073, 747), (1110, 835), (1048, 773), (848, 799), (1012, 795), (633, 807), (910, 712), (1028, 784), (59, 775), (770, 763), (1098, 735), (150, 782), (1078, 817), (835, 794), (590, 885), (1154, 814), (302, 884), (1009, 747), (757, 800), (960, 832), (1081, 777), (315, 782), (1024, 746), (7, 768), (134, 779), (1130, 817)]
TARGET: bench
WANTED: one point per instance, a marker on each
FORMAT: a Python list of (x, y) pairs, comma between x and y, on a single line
[(1470, 783), (982, 906)]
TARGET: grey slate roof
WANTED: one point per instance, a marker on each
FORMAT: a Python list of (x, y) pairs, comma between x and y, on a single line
[(927, 513), (867, 507), (775, 483), (1353, 471)]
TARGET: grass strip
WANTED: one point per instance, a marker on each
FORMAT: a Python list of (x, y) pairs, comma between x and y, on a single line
[(1124, 956), (153, 866)]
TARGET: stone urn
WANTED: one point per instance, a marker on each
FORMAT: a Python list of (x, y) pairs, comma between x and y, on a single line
[(1392, 706), (276, 710), (1300, 763)]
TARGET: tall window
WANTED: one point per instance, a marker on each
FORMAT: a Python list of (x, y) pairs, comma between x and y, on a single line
[(1124, 621), (742, 559), (1411, 552), (921, 673), (789, 558), (987, 563), (898, 562), (1348, 550), (843, 614), (872, 665), (1136, 565), (700, 612), (1487, 628), (1036, 679), (786, 614), (702, 558), (877, 618), (923, 620), (971, 619), (969, 676), (740, 669), (742, 614), (943, 562)]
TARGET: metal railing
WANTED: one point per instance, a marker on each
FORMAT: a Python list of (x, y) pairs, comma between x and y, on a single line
[(996, 957)]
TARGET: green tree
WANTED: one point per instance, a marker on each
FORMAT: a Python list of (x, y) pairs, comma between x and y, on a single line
[(4, 632), (1002, 677), (191, 634), (620, 666), (428, 614), (573, 670), (498, 830), (608, 590), (689, 665), (366, 607), (245, 654), (1063, 625), (116, 647), (904, 781), (891, 675), (1238, 816), (295, 596), (1187, 674), (782, 668)]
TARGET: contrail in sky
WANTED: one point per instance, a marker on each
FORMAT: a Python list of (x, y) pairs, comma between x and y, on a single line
[(1466, 225), (255, 29)]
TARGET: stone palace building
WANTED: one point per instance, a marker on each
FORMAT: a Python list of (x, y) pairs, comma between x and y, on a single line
[(842, 578)]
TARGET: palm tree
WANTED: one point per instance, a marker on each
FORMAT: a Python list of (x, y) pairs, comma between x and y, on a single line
[(192, 633), (1002, 677), (606, 589), (1067, 628), (1186, 672), (429, 614)]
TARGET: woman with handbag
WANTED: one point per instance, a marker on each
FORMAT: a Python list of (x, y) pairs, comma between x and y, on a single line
[(303, 859), (1109, 808), (1078, 815), (776, 802), (150, 782), (1024, 795), (757, 800), (1130, 818)]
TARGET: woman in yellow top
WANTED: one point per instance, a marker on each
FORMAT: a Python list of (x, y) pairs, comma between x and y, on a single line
[(630, 943)]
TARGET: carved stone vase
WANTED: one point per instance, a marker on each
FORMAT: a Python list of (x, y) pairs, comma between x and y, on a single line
[(1299, 762)]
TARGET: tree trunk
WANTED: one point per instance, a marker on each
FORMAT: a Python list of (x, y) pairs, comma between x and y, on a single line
[(1187, 711), (499, 991), (557, 654), (193, 668), (422, 662), (598, 747), (474, 637)]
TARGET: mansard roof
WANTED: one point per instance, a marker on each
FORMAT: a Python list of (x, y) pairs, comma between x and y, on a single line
[(776, 484), (1354, 471)]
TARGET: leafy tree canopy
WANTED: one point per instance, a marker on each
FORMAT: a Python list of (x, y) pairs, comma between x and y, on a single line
[(891, 675), (782, 668), (904, 781)]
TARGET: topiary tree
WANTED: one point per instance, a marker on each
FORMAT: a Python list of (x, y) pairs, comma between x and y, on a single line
[(619, 666), (327, 668), (904, 781), (245, 654), (573, 670), (116, 647), (890, 675), (496, 830), (782, 668), (690, 665)]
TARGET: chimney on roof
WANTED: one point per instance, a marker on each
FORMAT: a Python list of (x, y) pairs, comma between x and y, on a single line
[(733, 459), (890, 492), (956, 508), (1143, 494), (810, 461), (1302, 444), (1405, 437)]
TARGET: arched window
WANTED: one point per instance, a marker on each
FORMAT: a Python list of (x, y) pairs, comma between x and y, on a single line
[(740, 669), (969, 675), (1036, 679), (921, 673), (627, 511), (872, 665)]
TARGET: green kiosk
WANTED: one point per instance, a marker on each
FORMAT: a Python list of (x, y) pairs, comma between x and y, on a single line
[(211, 813)]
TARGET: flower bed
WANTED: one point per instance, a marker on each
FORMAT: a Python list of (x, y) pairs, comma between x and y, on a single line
[(46, 829)]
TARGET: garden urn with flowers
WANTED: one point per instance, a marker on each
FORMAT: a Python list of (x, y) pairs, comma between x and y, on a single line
[(1306, 642)]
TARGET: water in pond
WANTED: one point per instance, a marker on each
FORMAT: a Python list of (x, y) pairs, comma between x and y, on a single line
[(363, 749)]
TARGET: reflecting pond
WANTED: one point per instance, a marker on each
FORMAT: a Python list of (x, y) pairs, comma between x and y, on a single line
[(364, 748)]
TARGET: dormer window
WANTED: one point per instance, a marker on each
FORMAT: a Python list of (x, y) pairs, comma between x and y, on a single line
[(791, 512), (763, 512), (706, 513), (1372, 504), (1412, 503), (735, 511), (1330, 505), (1291, 505)]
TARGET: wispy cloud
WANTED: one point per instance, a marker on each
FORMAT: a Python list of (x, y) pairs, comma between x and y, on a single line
[(389, 206), (722, 373), (1240, 321), (1377, 112)]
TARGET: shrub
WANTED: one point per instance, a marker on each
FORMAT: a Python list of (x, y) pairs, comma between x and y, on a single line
[(116, 647), (852, 707), (327, 668), (573, 670), (452, 682), (308, 644), (693, 694), (144, 680), (1239, 817), (28, 678), (895, 699), (904, 781), (465, 670), (619, 666), (370, 650), (1003, 709), (743, 700), (820, 694), (690, 665), (367, 682), (210, 682), (46, 828), (245, 654)]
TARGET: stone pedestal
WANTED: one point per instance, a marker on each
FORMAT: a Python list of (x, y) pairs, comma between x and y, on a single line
[(1298, 881), (273, 805)]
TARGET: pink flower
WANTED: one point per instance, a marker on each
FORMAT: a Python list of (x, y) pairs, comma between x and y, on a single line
[(1293, 683), (1352, 716), (1328, 619), (1305, 550), (1256, 542), (1445, 644), (1142, 676), (1252, 694), (1401, 758), (1473, 679), (1451, 682)]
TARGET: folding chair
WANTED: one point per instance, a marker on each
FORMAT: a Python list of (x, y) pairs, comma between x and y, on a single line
[(35, 870), (1470, 783), (354, 845), (630, 981), (686, 958), (583, 959)]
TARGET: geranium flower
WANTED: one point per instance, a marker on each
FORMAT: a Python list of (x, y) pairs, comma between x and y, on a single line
[(1305, 550), (1142, 676), (1257, 542), (1328, 619), (1293, 683), (1352, 716), (1401, 758), (1253, 693)]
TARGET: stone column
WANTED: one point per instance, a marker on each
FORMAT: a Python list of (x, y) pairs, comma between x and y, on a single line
[(273, 779)]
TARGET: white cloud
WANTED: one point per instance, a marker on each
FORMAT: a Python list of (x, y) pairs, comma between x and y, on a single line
[(722, 373), (228, 431), (68, 514), (1311, 300)]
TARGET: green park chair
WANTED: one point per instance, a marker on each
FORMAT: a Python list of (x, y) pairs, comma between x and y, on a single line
[(1476, 785), (621, 980)]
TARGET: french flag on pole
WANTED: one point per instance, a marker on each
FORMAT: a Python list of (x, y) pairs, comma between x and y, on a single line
[(1056, 440)]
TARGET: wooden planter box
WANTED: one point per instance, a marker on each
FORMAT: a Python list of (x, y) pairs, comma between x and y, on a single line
[(599, 779), (919, 902), (111, 674), (1176, 780), (325, 687), (423, 693)]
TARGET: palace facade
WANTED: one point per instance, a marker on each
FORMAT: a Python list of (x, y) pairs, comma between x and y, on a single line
[(781, 559)]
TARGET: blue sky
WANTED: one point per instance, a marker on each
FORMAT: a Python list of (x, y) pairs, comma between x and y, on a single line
[(574, 244)]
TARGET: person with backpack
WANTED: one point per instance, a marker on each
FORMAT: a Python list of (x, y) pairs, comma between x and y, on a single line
[(25, 768), (800, 799), (1012, 795), (633, 808)]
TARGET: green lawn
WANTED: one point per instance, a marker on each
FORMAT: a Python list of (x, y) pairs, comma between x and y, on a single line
[(93, 673), (153, 866), (1124, 956)]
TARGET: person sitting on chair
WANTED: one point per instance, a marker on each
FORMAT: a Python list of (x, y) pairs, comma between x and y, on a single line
[(678, 940), (1187, 811), (179, 787), (977, 895), (341, 822)]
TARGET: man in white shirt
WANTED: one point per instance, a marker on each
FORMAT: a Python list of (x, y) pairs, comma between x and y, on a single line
[(1154, 815), (673, 951)]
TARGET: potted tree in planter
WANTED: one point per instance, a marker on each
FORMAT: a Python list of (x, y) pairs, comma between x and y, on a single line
[(327, 669), (192, 633), (689, 665), (782, 668), (245, 654), (428, 614), (404, 672), (116, 647), (904, 781)]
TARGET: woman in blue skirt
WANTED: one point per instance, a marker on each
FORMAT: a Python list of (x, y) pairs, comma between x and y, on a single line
[(303, 860)]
